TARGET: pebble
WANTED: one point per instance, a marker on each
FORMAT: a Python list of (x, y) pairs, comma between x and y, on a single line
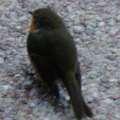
[(112, 23), (5, 90), (117, 115), (77, 22), (118, 61), (11, 39), (1, 60), (85, 38), (101, 24), (89, 32), (112, 58), (89, 27), (98, 33), (114, 31), (2, 54), (104, 38), (117, 101), (3, 23), (21, 45), (86, 63), (32, 105), (7, 118), (98, 18), (102, 80), (89, 99), (83, 6), (18, 28), (118, 18), (110, 68), (78, 29)]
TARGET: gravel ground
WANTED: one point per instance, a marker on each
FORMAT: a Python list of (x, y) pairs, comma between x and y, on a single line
[(95, 26)]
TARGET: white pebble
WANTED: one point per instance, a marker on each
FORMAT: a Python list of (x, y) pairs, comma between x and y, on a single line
[(112, 23), (118, 18), (78, 29), (117, 116), (1, 60), (101, 24)]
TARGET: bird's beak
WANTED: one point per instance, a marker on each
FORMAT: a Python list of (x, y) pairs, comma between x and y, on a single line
[(30, 12)]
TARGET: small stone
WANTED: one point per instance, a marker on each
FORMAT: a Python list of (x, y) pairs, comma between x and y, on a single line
[(2, 54), (18, 28), (98, 33), (78, 29), (21, 45), (27, 83), (101, 24), (82, 6), (114, 96), (3, 23), (101, 109), (32, 105), (102, 3), (114, 50), (1, 60), (85, 38), (118, 61), (90, 27), (110, 68), (118, 18), (112, 58), (15, 108), (102, 80), (77, 22), (104, 38), (69, 24), (98, 18), (5, 89), (77, 39), (7, 118), (117, 115), (89, 32), (99, 117), (93, 24), (12, 39), (89, 99), (117, 101), (86, 17), (114, 31), (86, 63), (112, 23), (89, 8)]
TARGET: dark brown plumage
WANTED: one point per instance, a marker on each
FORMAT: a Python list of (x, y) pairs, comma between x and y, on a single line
[(53, 55)]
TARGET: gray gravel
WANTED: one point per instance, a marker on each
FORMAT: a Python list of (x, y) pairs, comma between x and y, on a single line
[(95, 26)]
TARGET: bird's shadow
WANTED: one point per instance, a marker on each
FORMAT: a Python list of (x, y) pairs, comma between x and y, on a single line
[(43, 92)]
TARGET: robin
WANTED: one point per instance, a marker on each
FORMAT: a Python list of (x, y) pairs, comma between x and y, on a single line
[(53, 55)]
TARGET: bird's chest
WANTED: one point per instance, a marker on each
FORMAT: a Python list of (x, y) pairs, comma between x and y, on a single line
[(34, 68)]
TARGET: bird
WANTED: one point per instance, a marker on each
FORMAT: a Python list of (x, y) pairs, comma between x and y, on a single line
[(53, 55)]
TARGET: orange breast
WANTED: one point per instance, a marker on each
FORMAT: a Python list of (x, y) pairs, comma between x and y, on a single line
[(32, 26)]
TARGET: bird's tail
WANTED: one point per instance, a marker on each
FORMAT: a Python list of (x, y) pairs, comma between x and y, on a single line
[(79, 106)]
